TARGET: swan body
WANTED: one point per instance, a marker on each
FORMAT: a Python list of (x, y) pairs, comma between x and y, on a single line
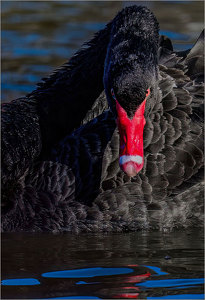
[(61, 144)]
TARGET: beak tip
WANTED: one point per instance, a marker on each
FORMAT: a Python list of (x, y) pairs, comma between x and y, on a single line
[(131, 168)]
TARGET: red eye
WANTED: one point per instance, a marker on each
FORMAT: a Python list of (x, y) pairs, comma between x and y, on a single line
[(147, 92)]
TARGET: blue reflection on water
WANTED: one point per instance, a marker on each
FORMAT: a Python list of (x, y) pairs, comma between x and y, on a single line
[(76, 297), (170, 282), (18, 51), (93, 272), (156, 269), (89, 272), (184, 296), (183, 287), (20, 281), (175, 35), (83, 282), (22, 87)]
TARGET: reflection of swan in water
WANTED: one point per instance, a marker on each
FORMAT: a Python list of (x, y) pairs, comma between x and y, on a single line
[(135, 280), (58, 179)]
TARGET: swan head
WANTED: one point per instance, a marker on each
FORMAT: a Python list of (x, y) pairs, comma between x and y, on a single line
[(131, 71)]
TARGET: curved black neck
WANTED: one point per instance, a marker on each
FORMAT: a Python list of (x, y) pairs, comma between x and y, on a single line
[(64, 98)]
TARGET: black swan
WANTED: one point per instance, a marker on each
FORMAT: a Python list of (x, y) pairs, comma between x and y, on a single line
[(60, 144)]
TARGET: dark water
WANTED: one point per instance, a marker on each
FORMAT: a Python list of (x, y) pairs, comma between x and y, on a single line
[(36, 38), (132, 265)]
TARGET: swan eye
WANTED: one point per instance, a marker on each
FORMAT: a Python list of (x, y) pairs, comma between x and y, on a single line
[(113, 94), (147, 92)]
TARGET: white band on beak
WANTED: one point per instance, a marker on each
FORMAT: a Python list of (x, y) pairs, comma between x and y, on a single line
[(135, 158)]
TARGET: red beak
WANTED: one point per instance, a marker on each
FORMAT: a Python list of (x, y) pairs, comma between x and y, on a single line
[(131, 139)]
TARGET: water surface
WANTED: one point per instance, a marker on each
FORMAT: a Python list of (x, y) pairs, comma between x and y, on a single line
[(133, 265)]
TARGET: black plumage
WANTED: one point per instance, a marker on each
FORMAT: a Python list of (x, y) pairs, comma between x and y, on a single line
[(60, 145)]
